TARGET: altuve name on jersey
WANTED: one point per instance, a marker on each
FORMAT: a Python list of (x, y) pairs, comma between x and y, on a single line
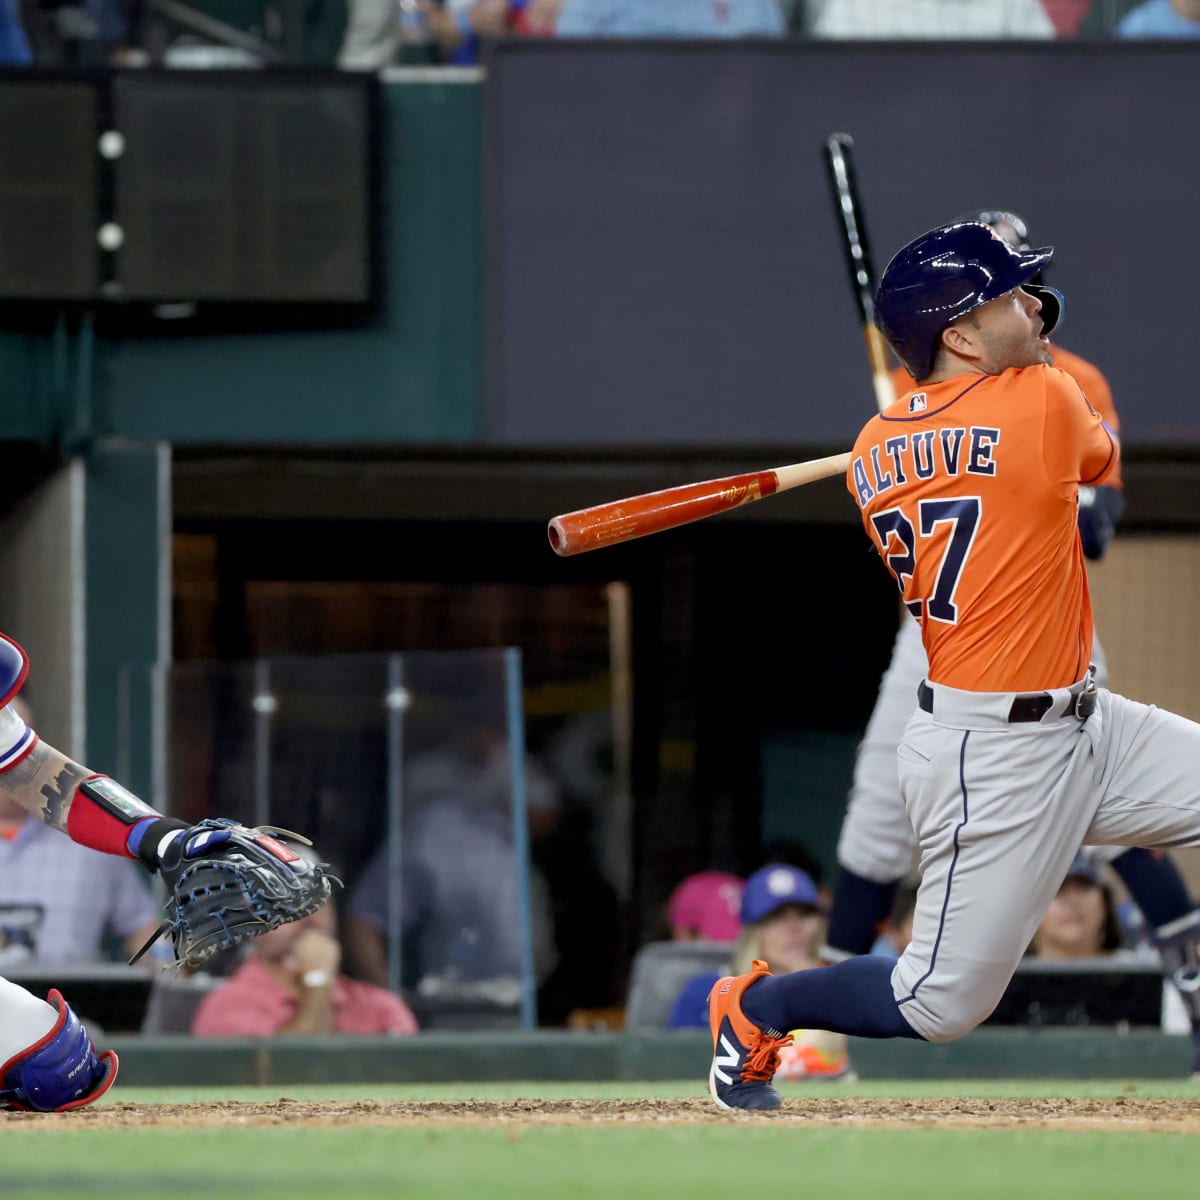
[(955, 450)]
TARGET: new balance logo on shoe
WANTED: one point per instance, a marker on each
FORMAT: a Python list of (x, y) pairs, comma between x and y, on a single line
[(745, 1056), (728, 1059)]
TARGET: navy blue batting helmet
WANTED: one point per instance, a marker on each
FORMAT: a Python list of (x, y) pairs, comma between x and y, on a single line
[(997, 217), (945, 274)]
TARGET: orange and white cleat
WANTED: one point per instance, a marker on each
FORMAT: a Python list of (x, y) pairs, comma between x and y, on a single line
[(745, 1057)]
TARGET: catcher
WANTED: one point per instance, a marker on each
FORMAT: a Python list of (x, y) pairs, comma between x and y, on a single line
[(225, 883)]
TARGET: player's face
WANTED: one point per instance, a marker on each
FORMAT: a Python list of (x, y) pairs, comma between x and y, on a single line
[(1006, 332)]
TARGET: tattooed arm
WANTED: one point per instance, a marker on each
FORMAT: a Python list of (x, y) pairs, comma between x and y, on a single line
[(44, 783), (89, 807)]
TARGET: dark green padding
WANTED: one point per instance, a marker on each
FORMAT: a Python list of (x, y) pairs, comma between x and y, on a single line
[(457, 1058)]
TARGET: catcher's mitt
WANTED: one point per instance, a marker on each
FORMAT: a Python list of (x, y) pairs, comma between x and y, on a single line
[(227, 883)]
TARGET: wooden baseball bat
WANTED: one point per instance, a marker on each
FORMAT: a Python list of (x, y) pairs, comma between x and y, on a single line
[(652, 512), (843, 181)]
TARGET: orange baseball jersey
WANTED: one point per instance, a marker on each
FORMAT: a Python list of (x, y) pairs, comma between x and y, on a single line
[(968, 488), (1089, 377)]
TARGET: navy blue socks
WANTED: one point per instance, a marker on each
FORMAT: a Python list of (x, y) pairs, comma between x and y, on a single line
[(852, 997)]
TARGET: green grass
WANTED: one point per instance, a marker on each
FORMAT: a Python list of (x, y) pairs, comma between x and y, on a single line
[(745, 1160)]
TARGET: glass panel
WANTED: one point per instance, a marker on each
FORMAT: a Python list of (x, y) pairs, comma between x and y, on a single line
[(409, 773)]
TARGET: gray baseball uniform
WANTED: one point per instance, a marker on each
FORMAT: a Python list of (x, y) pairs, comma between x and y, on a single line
[(876, 840)]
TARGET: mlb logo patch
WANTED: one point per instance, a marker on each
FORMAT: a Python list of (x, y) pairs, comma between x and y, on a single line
[(918, 402)]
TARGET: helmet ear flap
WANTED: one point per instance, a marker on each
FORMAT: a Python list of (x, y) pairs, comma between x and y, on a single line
[(1054, 304)]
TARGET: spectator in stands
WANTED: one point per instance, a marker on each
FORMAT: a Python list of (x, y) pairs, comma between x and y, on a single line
[(459, 26), (792, 852), (291, 983), (1081, 921), (1162, 19), (782, 923), (59, 900), (536, 18), (705, 907), (930, 19), (1068, 15), (670, 18), (14, 45), (379, 32), (115, 29), (1084, 922)]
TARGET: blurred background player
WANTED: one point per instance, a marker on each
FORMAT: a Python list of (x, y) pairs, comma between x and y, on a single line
[(877, 848)]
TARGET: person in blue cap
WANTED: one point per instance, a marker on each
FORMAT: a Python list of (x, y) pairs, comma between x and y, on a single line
[(783, 923)]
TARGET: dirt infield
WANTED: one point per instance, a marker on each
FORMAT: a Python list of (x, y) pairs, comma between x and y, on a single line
[(1130, 1114)]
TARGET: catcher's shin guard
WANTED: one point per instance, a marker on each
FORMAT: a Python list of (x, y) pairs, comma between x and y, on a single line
[(60, 1071)]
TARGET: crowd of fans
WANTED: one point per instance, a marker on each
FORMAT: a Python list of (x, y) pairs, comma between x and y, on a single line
[(372, 34)]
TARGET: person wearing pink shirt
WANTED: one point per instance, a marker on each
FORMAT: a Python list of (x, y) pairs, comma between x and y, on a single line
[(292, 985)]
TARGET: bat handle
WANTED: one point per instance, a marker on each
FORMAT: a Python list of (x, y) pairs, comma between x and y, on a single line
[(885, 395)]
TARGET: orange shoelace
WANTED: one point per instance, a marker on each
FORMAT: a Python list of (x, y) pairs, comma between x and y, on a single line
[(763, 1061)]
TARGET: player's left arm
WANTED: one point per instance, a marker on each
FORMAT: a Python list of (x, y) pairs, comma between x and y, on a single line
[(1101, 506), (1080, 449), (44, 783)]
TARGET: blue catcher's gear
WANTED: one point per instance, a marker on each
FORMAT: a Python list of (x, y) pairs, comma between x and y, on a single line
[(945, 274), (59, 1072)]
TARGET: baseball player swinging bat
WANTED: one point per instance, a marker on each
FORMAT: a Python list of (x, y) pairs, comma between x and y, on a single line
[(843, 182), (653, 512)]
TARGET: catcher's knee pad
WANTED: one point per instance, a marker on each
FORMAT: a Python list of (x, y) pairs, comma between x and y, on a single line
[(60, 1071)]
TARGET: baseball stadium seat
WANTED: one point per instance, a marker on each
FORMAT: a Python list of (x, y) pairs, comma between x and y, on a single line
[(660, 969)]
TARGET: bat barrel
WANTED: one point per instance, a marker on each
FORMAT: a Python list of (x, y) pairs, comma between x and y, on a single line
[(560, 536), (654, 512)]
